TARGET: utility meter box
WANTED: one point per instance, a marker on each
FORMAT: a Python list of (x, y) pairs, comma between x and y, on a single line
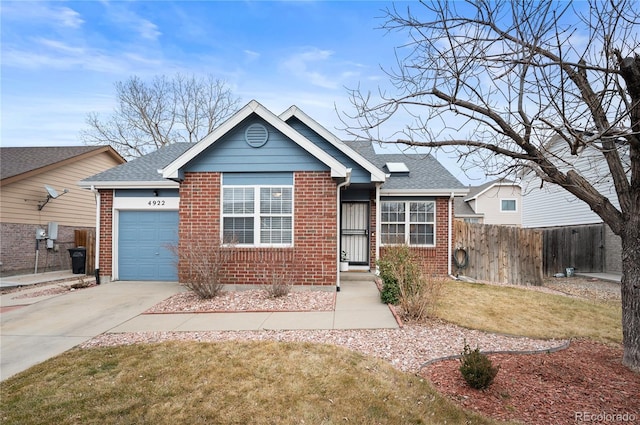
[(41, 234), (52, 232)]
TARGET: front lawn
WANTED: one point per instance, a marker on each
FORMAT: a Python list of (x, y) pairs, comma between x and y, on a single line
[(523, 312), (223, 383)]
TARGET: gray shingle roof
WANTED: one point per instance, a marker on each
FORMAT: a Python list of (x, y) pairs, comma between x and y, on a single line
[(143, 169), (425, 172), (19, 160), (463, 208)]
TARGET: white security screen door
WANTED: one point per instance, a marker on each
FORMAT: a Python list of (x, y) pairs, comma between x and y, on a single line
[(354, 231)]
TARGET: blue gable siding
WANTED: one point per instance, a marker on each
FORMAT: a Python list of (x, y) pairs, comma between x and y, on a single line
[(232, 154), (146, 193), (358, 174), (254, 179)]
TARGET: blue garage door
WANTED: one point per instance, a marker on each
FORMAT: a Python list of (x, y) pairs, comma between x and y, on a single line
[(144, 239)]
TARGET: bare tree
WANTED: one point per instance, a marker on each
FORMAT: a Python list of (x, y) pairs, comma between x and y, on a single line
[(495, 81), (167, 110)]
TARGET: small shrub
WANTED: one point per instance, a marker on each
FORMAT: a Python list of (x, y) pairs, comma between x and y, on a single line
[(476, 368), (279, 272), (278, 284), (405, 285), (397, 268), (390, 293), (202, 265)]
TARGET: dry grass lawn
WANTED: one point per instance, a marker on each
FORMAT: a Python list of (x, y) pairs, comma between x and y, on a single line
[(222, 383), (529, 313)]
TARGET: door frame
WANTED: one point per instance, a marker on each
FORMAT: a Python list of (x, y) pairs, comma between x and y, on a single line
[(367, 230)]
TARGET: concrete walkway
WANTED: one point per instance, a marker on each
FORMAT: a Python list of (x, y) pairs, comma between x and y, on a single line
[(36, 329)]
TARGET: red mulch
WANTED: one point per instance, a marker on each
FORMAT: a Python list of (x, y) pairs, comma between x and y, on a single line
[(584, 383)]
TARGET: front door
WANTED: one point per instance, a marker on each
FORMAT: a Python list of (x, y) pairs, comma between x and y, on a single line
[(354, 231)]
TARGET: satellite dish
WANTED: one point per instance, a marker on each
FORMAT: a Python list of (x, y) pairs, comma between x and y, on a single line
[(51, 191)]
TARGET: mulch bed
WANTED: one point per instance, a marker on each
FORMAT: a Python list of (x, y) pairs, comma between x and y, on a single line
[(584, 383)]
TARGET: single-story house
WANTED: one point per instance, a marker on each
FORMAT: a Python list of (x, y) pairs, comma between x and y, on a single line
[(495, 202), (285, 190), (41, 206)]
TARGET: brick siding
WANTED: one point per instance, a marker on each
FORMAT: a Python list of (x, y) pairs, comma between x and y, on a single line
[(106, 234), (18, 249), (312, 260), (435, 260)]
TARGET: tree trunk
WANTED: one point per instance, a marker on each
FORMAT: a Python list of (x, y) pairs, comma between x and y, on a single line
[(631, 294)]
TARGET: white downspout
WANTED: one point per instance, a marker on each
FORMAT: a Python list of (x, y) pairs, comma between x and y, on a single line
[(450, 236), (97, 237), (345, 183), (378, 226)]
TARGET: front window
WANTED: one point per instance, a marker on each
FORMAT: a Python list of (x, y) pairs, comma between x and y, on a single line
[(257, 215), (411, 222)]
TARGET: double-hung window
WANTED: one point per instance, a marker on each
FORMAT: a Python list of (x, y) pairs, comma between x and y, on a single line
[(257, 215), (411, 222)]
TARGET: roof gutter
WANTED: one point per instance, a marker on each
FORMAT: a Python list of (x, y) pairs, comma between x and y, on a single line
[(345, 183)]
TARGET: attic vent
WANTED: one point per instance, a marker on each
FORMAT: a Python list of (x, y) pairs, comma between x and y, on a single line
[(256, 135), (397, 167)]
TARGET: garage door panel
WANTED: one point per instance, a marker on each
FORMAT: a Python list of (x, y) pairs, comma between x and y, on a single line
[(144, 242)]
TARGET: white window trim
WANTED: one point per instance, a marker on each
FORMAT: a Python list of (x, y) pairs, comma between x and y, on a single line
[(256, 215), (508, 211), (407, 223)]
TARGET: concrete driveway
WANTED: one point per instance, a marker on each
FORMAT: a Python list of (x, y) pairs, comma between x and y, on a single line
[(48, 326)]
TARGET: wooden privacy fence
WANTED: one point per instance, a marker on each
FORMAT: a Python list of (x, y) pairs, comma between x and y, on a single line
[(579, 247), (501, 254), (86, 238)]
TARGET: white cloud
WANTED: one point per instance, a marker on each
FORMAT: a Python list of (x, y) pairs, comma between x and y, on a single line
[(131, 21), (60, 46), (40, 12), (300, 65), (68, 17), (251, 56), (148, 30)]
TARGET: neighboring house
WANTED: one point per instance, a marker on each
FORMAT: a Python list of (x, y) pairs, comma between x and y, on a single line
[(550, 206), (288, 193), (31, 179), (495, 202)]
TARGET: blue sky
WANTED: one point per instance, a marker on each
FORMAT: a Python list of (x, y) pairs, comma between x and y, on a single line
[(60, 59)]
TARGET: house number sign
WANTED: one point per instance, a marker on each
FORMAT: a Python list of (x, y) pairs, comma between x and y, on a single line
[(146, 203)]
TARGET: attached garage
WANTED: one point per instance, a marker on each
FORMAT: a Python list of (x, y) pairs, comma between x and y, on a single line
[(144, 245)]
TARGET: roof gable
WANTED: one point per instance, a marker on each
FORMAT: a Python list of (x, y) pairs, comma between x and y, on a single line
[(22, 162), (377, 175), (477, 191), (172, 170), (238, 151)]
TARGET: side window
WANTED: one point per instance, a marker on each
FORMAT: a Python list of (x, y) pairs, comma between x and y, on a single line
[(508, 205)]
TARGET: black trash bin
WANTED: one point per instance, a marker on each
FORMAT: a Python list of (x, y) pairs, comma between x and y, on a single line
[(78, 259)]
